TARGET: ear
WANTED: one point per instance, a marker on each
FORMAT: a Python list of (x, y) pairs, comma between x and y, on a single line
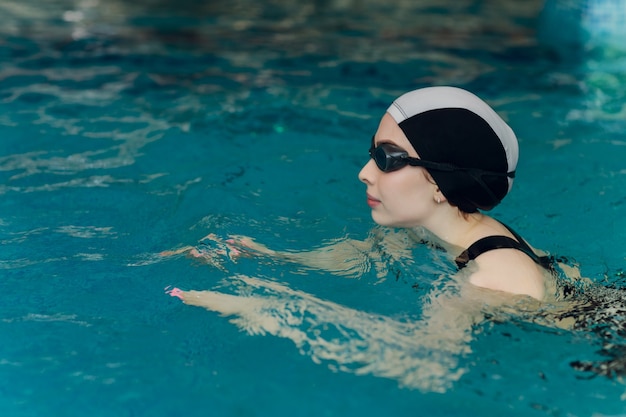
[(438, 196)]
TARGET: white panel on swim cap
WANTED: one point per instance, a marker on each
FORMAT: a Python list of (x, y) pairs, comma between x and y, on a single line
[(431, 98)]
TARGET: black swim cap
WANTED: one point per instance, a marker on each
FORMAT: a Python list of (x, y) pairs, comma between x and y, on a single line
[(453, 126)]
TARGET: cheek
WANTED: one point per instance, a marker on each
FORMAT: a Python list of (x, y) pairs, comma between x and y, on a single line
[(399, 192), (404, 192), (406, 201), (407, 183)]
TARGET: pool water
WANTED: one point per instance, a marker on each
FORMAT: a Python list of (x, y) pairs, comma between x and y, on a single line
[(131, 128)]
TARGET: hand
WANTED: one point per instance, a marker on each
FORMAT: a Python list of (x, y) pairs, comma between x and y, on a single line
[(212, 250), (243, 245)]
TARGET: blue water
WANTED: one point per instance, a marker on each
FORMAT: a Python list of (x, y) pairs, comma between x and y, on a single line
[(129, 128)]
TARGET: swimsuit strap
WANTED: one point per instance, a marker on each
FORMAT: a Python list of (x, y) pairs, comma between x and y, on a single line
[(501, 242), (544, 261)]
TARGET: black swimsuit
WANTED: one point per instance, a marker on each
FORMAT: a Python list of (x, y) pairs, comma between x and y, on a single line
[(501, 242)]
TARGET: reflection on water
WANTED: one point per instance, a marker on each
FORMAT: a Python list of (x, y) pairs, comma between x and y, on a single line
[(123, 73), (575, 25)]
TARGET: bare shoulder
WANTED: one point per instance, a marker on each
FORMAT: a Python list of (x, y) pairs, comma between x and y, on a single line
[(509, 270)]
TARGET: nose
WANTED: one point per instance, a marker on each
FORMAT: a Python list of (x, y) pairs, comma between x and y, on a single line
[(367, 174)]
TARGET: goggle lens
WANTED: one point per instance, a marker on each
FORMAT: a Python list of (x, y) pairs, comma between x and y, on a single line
[(388, 157)]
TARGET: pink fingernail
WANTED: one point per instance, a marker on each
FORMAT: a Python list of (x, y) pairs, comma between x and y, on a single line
[(175, 292)]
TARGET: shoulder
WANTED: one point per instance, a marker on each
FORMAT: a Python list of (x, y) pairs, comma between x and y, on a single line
[(509, 270)]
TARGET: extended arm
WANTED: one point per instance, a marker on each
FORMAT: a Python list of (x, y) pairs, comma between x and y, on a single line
[(419, 353)]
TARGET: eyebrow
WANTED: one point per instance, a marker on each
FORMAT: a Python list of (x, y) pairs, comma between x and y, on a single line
[(383, 141)]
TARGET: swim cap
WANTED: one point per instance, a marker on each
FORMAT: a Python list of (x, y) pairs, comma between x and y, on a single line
[(453, 126)]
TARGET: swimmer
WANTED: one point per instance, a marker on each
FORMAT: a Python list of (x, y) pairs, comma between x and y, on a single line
[(439, 159)]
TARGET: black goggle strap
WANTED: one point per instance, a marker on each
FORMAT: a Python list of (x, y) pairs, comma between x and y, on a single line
[(476, 173)]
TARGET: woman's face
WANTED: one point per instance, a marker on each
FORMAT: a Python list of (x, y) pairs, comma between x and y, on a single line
[(402, 198)]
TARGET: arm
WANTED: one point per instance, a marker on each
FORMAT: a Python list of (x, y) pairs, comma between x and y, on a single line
[(342, 256), (421, 353)]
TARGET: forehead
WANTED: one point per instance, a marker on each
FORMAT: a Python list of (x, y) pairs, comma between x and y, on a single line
[(389, 132)]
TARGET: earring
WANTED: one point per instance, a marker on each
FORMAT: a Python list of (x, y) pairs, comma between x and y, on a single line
[(438, 200)]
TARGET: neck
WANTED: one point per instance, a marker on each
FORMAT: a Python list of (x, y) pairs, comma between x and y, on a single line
[(455, 228)]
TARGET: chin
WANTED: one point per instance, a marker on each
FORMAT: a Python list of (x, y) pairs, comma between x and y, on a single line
[(387, 222), (378, 220), (381, 221)]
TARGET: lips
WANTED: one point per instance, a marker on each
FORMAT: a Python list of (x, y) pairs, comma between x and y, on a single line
[(372, 202)]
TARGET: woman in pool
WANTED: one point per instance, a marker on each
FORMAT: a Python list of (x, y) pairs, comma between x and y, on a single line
[(440, 157)]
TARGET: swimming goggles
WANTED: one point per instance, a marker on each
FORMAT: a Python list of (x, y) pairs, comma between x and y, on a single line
[(389, 158)]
